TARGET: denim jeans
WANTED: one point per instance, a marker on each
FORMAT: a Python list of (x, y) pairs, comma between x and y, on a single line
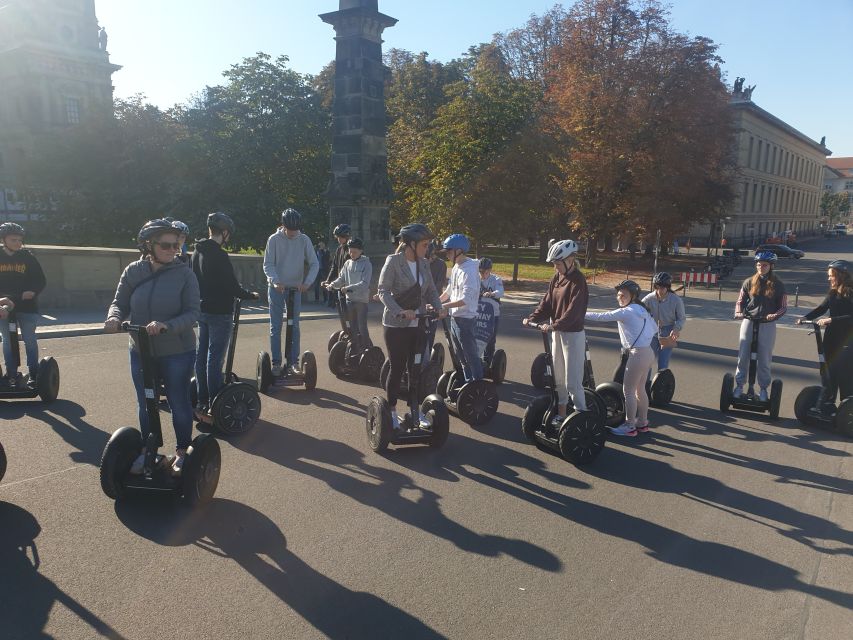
[(663, 355), (278, 307), (27, 323), (358, 322), (214, 332), (175, 371), (463, 329), (489, 351)]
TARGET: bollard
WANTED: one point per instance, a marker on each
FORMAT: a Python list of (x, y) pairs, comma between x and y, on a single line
[(720, 291), (594, 273), (797, 297)]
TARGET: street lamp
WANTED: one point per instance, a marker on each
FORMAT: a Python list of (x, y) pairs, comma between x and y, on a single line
[(723, 222)]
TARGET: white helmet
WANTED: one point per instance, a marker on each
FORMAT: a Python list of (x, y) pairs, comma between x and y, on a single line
[(561, 250)]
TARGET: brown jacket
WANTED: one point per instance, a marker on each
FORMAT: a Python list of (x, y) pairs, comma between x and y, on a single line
[(565, 303)]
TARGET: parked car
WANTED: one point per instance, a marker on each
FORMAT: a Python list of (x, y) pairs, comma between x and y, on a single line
[(840, 229), (781, 250)]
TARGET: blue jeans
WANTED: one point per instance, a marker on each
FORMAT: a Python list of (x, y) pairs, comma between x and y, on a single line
[(278, 307), (358, 322), (27, 323), (663, 355), (463, 329), (489, 351), (175, 371), (214, 331)]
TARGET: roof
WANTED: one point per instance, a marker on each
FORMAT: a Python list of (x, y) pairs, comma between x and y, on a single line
[(749, 105), (840, 163)]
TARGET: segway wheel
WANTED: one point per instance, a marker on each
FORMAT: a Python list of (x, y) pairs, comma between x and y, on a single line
[(2, 462), (378, 422), (434, 407), (201, 470), (437, 356), (337, 359), (309, 370), (231, 378), (497, 371), (614, 402), (477, 402), (441, 388), (595, 405), (264, 371), (383, 374), (122, 449), (370, 364), (531, 421), (806, 400), (775, 398), (236, 409), (337, 336), (726, 392), (582, 438), (662, 388), (537, 371), (844, 417), (428, 381), (47, 380)]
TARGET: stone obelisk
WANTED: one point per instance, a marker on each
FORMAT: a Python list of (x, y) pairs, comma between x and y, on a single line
[(359, 192)]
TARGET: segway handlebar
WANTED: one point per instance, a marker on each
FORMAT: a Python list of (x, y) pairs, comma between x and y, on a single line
[(539, 326), (813, 323), (432, 315), (126, 326)]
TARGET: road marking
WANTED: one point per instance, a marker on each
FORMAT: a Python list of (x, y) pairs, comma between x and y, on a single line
[(6, 485)]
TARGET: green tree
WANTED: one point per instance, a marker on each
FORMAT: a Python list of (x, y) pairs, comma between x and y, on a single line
[(834, 206)]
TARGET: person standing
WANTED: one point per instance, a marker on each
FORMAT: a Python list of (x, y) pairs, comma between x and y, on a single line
[(342, 234), (354, 282), (668, 311), (289, 263), (460, 299), (492, 287), (437, 266), (323, 260)]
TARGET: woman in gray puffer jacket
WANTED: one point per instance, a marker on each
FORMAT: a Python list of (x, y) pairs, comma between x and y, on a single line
[(159, 292)]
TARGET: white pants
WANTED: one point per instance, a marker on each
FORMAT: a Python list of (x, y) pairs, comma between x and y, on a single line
[(569, 350), (634, 384), (766, 342)]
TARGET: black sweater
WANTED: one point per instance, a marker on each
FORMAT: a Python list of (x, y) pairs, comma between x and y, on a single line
[(216, 280), (18, 273), (839, 333), (341, 256)]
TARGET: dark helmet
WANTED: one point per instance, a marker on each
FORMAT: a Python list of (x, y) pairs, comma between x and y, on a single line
[(153, 228), (181, 227), (662, 279), (355, 243), (342, 230), (485, 264), (415, 232), (765, 256), (220, 222), (840, 265), (11, 229), (632, 287), (291, 219)]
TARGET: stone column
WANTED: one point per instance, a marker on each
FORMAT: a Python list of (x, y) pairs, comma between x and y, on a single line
[(359, 192)]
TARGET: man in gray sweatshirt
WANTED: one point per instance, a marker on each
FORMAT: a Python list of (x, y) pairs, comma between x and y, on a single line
[(289, 263), (668, 311)]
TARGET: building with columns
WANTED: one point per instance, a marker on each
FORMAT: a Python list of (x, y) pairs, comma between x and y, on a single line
[(54, 71), (838, 178)]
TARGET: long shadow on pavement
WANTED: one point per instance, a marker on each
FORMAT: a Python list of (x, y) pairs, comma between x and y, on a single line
[(26, 596), (235, 531)]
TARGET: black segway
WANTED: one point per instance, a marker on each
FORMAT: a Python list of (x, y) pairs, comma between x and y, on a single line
[(2, 462), (380, 431), (750, 400), (200, 474), (236, 407), (476, 402), (46, 384), (494, 368), (347, 358), (840, 417), (344, 334), (432, 368), (580, 437), (307, 375), (660, 390)]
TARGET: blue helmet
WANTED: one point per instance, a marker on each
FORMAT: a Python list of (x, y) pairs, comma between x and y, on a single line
[(456, 241), (765, 256)]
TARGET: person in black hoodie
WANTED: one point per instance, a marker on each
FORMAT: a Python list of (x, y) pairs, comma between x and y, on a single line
[(21, 280), (218, 286), (342, 234)]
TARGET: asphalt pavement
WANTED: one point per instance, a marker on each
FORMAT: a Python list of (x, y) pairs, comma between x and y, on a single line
[(711, 526)]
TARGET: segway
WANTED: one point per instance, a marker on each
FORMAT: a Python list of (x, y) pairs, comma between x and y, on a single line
[(200, 474), (2, 462), (431, 370), (46, 385), (344, 334), (307, 374), (840, 418), (380, 430), (236, 407), (475, 402), (347, 358), (580, 437), (495, 368), (750, 400)]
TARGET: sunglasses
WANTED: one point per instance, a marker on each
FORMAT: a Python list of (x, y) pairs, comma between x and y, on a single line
[(174, 246)]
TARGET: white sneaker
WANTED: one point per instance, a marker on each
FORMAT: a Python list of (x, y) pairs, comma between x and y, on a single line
[(624, 429), (138, 465), (738, 392), (556, 421), (395, 420), (424, 420), (178, 465), (762, 395)]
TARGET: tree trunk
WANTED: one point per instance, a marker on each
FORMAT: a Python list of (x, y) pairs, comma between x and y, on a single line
[(543, 248), (517, 257)]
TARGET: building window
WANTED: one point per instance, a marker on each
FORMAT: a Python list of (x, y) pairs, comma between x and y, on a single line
[(773, 161), (847, 185), (754, 194), (758, 156), (761, 200), (72, 110), (749, 156)]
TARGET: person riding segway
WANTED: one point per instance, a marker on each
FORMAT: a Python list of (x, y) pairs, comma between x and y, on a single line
[(488, 320), (46, 382), (668, 311)]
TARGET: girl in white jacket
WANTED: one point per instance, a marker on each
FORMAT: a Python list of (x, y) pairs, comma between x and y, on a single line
[(636, 330)]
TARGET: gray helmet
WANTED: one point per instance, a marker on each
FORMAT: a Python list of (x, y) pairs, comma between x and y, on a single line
[(11, 229), (343, 231), (662, 279), (291, 219), (355, 243), (840, 265), (415, 232), (152, 229), (220, 222), (182, 227), (632, 287)]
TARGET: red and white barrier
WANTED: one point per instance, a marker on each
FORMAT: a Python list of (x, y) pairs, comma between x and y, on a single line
[(703, 277)]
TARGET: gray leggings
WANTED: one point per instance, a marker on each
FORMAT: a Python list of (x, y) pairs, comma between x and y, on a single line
[(766, 340), (634, 384)]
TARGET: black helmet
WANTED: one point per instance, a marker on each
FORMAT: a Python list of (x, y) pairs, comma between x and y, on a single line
[(291, 219), (11, 229), (485, 264), (355, 243), (152, 229), (342, 230), (220, 222), (632, 287), (840, 265), (662, 279), (415, 232)]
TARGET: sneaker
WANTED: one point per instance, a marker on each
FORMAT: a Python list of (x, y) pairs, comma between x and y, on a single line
[(19, 381), (424, 420), (762, 395), (643, 426), (294, 371), (556, 421), (138, 465), (738, 392), (624, 429), (178, 464), (395, 420), (202, 414), (276, 370)]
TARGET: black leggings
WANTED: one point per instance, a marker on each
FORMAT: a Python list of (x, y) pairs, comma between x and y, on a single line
[(839, 364), (401, 343)]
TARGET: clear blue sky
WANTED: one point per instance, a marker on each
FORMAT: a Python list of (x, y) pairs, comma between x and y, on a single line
[(798, 52)]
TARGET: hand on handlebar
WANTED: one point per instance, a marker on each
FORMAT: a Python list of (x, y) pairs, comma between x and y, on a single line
[(409, 315), (823, 322), (112, 325), (155, 328), (739, 316)]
